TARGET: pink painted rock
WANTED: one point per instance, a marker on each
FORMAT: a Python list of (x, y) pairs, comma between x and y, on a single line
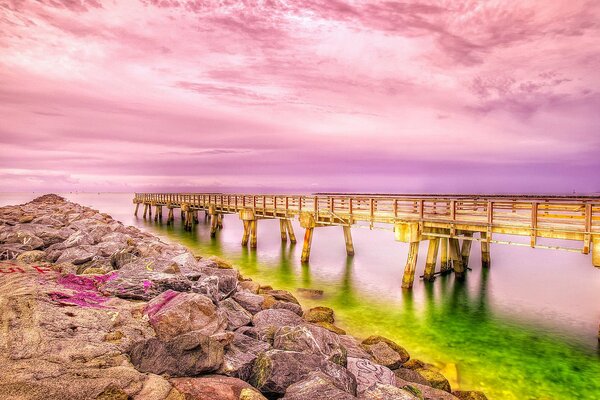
[(216, 387), (173, 313)]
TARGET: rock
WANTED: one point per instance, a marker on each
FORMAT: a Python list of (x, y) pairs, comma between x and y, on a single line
[(316, 386), (367, 373), (469, 395), (250, 286), (310, 339), (282, 295), (410, 376), (268, 301), (380, 391), (414, 364), (215, 387), (208, 286), (227, 280), (251, 302), (275, 370), (240, 356), (310, 293), (427, 392), (353, 348), (385, 351), (331, 328), (78, 238), (189, 354), (276, 318), (293, 307), (158, 388), (30, 257), (95, 271), (220, 262), (236, 314), (264, 334), (76, 255), (26, 219), (319, 314), (172, 314), (434, 379), (144, 285)]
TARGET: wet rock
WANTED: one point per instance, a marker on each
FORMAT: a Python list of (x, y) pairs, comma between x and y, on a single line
[(367, 373), (387, 392), (172, 314), (331, 327), (319, 314), (30, 257), (385, 352), (426, 392), (186, 355), (434, 379), (220, 262), (240, 356), (316, 386), (275, 370), (469, 395), (236, 314), (251, 302), (215, 387), (310, 339), (410, 376), (310, 293), (282, 295)]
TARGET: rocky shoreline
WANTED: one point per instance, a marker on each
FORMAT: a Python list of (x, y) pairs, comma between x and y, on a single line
[(92, 309)]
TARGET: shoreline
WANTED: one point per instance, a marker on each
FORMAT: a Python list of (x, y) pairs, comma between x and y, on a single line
[(256, 338)]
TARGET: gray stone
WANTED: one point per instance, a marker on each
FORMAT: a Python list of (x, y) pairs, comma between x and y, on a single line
[(367, 373), (236, 315), (313, 339)]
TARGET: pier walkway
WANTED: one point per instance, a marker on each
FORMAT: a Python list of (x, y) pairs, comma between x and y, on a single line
[(450, 223)]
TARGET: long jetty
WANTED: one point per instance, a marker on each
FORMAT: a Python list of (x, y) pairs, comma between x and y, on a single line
[(450, 223)]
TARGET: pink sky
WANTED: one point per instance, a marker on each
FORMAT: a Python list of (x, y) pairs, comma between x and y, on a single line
[(300, 95)]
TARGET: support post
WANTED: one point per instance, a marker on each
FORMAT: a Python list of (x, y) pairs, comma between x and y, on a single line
[(485, 251), (444, 264), (150, 211), (290, 231), (220, 221), (195, 215), (170, 216), (283, 230), (596, 251), (213, 225), (308, 234), (253, 236), (246, 234), (465, 251), (348, 240), (454, 247), (137, 206), (411, 266), (145, 210), (182, 215), (432, 252)]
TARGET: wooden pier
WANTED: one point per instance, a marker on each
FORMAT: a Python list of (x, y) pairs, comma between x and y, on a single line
[(449, 222)]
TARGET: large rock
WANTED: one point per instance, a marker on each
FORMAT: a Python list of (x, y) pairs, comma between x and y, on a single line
[(319, 314), (276, 318), (236, 314), (469, 395), (186, 355), (282, 295), (144, 285), (353, 348), (367, 373), (172, 314), (410, 375), (385, 352), (240, 356), (293, 307), (30, 257), (310, 339), (215, 387), (275, 370), (251, 302), (316, 386), (77, 255), (426, 392), (434, 379), (386, 392)]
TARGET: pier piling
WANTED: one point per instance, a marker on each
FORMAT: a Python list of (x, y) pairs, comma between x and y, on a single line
[(465, 251), (432, 252), (348, 240), (308, 234), (283, 230), (290, 231), (411, 266), (455, 258)]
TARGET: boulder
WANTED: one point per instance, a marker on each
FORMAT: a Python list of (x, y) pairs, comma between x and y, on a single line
[(275, 370), (189, 354), (251, 302), (276, 318), (410, 375), (282, 295), (319, 314), (469, 395), (331, 327), (76, 255), (215, 387), (293, 307), (316, 386), (144, 285), (426, 392), (172, 314), (380, 391), (385, 351), (367, 373), (236, 315), (250, 286), (240, 356), (311, 339), (208, 286), (434, 379), (353, 348), (30, 257)]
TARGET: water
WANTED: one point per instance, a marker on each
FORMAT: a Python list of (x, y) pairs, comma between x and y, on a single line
[(524, 329)]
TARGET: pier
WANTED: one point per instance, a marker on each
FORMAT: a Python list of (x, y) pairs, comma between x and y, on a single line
[(450, 223)]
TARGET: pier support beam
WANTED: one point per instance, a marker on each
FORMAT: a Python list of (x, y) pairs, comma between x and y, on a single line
[(170, 216), (150, 211), (308, 234), (455, 257), (596, 251), (432, 252), (253, 235), (137, 206), (348, 240), (249, 219), (444, 264), (290, 231), (485, 251), (283, 230), (411, 266), (145, 210), (220, 221), (214, 224), (465, 251), (246, 234)]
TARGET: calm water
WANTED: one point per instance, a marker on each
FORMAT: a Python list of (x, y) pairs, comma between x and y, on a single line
[(525, 329)]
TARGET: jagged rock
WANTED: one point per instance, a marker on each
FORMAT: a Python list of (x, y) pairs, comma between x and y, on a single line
[(282, 295), (386, 392), (367, 373), (185, 355), (293, 307), (215, 387), (240, 356), (236, 314), (78, 239), (275, 370), (353, 347), (316, 386), (172, 314), (331, 327), (385, 351), (264, 335), (30, 257), (469, 395), (208, 286), (434, 379), (77, 255), (410, 375), (310, 339), (220, 262), (250, 286), (427, 392), (144, 285), (319, 314), (276, 318), (251, 302)]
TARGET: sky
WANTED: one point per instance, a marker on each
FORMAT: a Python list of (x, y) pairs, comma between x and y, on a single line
[(300, 96)]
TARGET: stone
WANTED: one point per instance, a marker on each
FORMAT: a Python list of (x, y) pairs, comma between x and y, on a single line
[(331, 327), (251, 302), (310, 293), (434, 379), (367, 373), (385, 352), (208, 286), (316, 386), (311, 339), (144, 285), (95, 271), (353, 348), (426, 392), (26, 219), (293, 307), (319, 314), (410, 375), (240, 356), (380, 391), (414, 364), (30, 257), (282, 295), (469, 395), (250, 286), (76, 255), (220, 262), (236, 315), (215, 387), (173, 313), (189, 354), (276, 318), (275, 370)]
